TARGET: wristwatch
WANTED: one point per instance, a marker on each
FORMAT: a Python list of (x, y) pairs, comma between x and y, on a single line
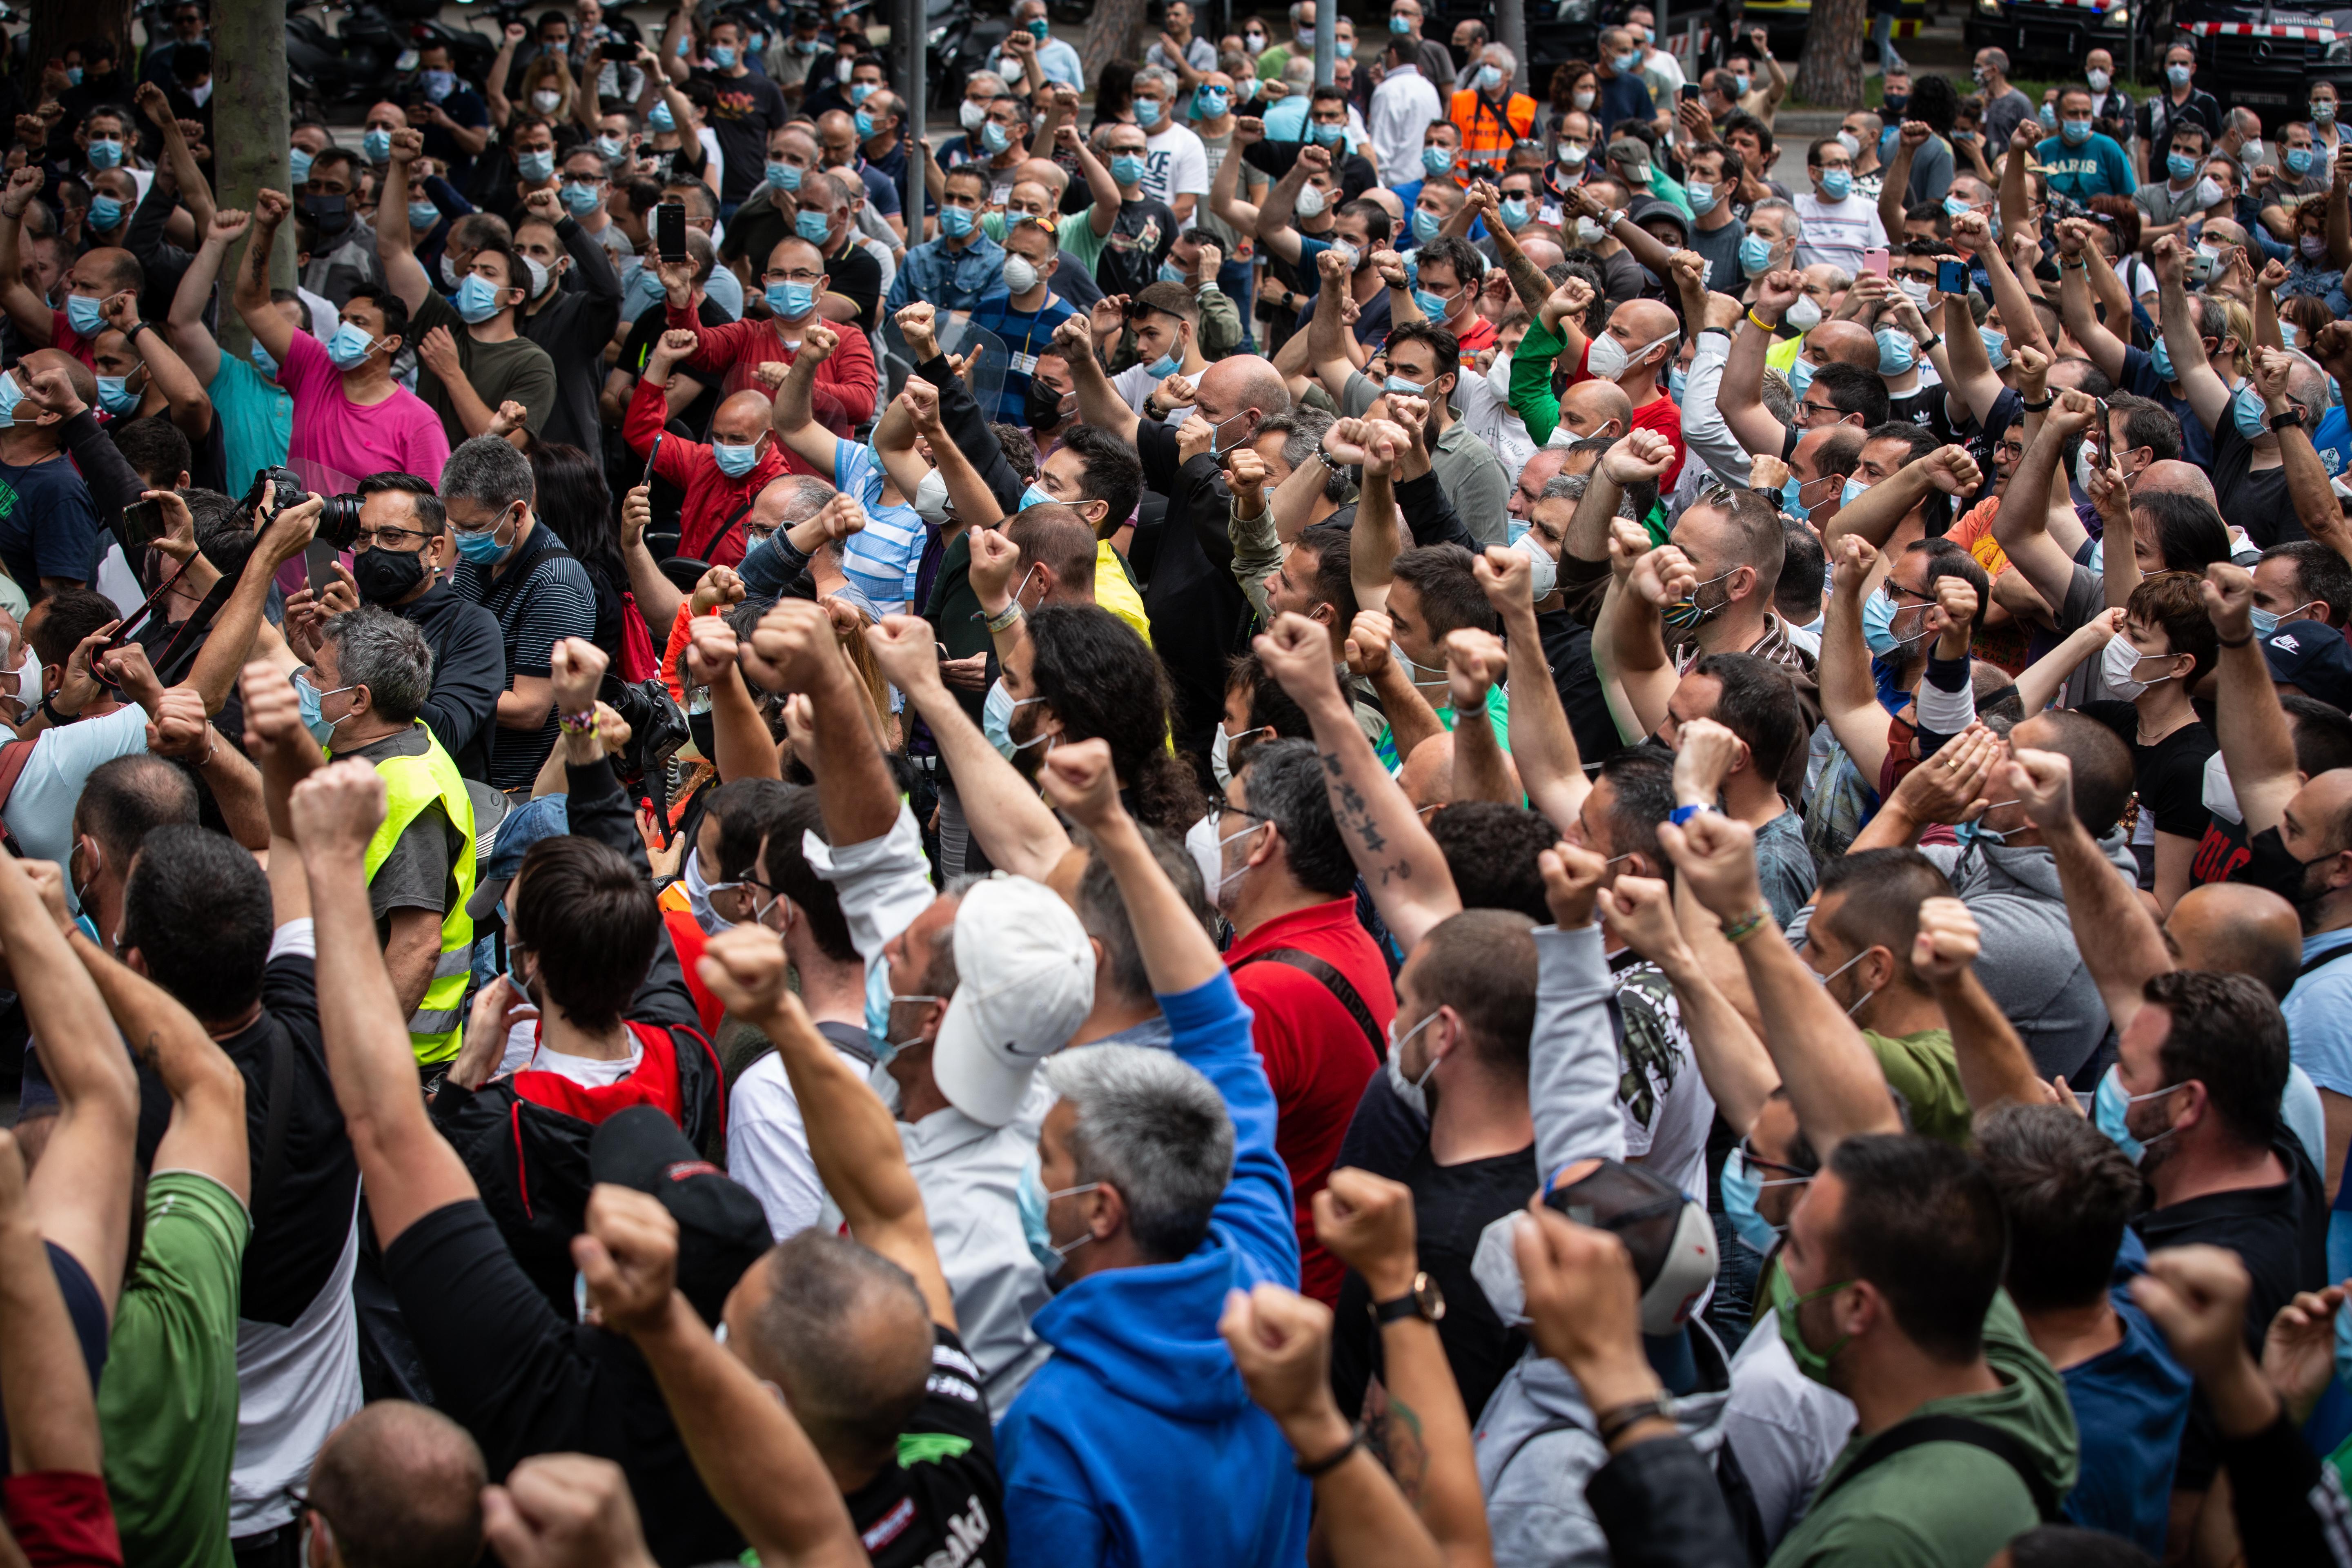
[(1424, 1301), (49, 710), (2292, 419)]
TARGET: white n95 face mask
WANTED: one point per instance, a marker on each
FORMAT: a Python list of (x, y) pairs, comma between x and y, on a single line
[(1543, 571)]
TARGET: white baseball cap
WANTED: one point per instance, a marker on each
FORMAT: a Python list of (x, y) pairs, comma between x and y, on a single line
[(1024, 981)]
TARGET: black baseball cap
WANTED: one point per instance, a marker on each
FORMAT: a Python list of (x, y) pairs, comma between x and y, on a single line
[(722, 1228)]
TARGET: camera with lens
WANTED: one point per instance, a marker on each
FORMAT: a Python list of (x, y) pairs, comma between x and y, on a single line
[(339, 520)]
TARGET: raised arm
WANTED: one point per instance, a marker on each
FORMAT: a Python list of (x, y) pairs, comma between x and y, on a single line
[(45, 1386), (252, 298), (2116, 935), (206, 1134), (184, 396), (1898, 185), (1103, 215), (1177, 953), (26, 311), (1273, 230), (1633, 624), (1732, 1062), (2209, 396), (409, 1168), (2077, 305), (1476, 662), (1398, 859), (395, 246), (2022, 524), (853, 1138), (759, 1465), (1226, 202), (1849, 692), (1739, 395), (1099, 403), (1995, 1067), (1015, 829), (1833, 1081), (185, 323), (793, 415), (1542, 745), (195, 192), (795, 650), (1327, 333), (2257, 746)]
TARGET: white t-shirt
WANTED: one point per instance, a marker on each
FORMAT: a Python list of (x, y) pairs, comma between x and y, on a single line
[(1837, 231), (1785, 1427), (588, 1072), (1136, 383), (1669, 1110), (1175, 164), (40, 809), (767, 1146)]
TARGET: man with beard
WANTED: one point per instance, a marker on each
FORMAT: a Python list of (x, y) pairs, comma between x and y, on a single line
[(401, 557)]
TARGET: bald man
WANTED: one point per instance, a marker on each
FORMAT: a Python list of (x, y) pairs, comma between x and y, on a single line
[(1536, 472), (722, 477), (2229, 928), (1596, 409), (396, 1478), (1739, 393), (1633, 351)]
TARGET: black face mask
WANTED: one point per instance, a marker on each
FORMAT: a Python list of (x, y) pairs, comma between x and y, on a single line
[(384, 576), (2270, 864), (1044, 406), (331, 215), (1896, 105)]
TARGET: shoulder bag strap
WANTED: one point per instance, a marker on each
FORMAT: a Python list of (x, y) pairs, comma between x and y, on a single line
[(1949, 1429), (1332, 981)]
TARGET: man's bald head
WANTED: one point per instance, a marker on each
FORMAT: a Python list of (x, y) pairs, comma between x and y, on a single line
[(2170, 474), (1543, 250), (1845, 342), (1388, 201), (1593, 408), (85, 383), (1043, 171), (401, 1474), (1234, 385), (2235, 928), (1647, 320)]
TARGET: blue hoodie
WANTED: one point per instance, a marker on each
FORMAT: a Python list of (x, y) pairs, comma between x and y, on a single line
[(1136, 1442)]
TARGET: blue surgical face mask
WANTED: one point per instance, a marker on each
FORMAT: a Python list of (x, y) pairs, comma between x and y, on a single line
[(437, 85), (1166, 365), (1701, 196), (478, 299), (1851, 491), (997, 711), (2298, 160), (660, 118), (377, 144), (11, 395), (298, 165), (790, 300), (1437, 162), (859, 91), (1791, 499), (1171, 273), (1742, 1185), (73, 76), (1426, 225), (262, 360), (1515, 212), (995, 137), (579, 200), (734, 460), (611, 148), (1433, 306), (309, 699), (1996, 346), (2248, 414), (784, 176), (105, 212), (1329, 135), (864, 125), (2182, 166), (349, 345), (2161, 357), (1489, 78), (422, 215), (1836, 183), (479, 549), (722, 57), (114, 396), (1126, 169), (1622, 64), (2111, 1105), (536, 164), (1801, 375), (2178, 75), (1035, 1229), (956, 222), (84, 316), (1399, 384), (812, 225), (1878, 613), (1211, 103), (105, 152), (2049, 116), (1031, 495), (1149, 112), (2074, 133), (1957, 206), (1897, 352)]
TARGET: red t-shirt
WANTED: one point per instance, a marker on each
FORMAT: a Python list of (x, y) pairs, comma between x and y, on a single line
[(1660, 413), (1318, 1058), (61, 1519)]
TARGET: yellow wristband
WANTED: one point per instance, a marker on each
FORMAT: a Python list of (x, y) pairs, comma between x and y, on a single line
[(1768, 326)]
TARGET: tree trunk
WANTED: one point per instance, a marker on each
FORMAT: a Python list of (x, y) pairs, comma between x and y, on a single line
[(58, 22), (249, 130), (1115, 32), (1829, 74)]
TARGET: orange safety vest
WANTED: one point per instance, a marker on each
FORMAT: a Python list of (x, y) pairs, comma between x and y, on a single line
[(1487, 134)]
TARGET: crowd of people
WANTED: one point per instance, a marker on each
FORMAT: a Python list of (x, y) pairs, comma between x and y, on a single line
[(650, 919)]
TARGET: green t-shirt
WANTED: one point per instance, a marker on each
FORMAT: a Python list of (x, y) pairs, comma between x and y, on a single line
[(1498, 714), (167, 1401), (1948, 1505), (1923, 1068)]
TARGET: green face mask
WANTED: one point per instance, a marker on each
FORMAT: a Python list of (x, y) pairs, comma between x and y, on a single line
[(1785, 1301)]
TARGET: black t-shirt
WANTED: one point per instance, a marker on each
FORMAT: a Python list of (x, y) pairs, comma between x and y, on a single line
[(301, 1219), (523, 1381), (2170, 775), (856, 276), (943, 1501), (1138, 243), (1452, 1205), (1924, 406), (1567, 649), (743, 111), (2254, 498), (1199, 616)]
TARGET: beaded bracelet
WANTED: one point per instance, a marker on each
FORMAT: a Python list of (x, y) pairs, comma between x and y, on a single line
[(577, 723), (1739, 930)]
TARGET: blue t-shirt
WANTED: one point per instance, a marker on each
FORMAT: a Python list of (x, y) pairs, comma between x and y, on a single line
[(2318, 1013), (1622, 97), (2334, 440), (256, 418), (882, 559), (48, 527), (1025, 335), (2097, 168), (2130, 1406), (2141, 380)]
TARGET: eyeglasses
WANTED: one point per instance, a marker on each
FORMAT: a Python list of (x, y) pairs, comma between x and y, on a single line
[(797, 275), (1796, 1173), (387, 538), (1915, 274)]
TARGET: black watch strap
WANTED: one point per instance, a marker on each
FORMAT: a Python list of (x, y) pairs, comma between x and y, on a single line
[(1424, 1301), (49, 710)]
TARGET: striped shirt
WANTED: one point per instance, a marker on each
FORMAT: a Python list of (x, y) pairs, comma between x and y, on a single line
[(881, 559)]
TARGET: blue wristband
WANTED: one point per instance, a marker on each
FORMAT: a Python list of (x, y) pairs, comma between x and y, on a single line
[(1683, 814)]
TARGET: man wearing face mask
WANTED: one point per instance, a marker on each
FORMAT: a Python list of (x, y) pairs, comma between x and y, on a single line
[(720, 479), (799, 273), (1622, 94), (2262, 454), (572, 325), (1633, 351), (1023, 317), (2081, 161), (401, 555), (961, 266), (350, 415)]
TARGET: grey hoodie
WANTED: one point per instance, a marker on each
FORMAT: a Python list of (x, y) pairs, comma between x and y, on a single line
[(1537, 1442), (2029, 964)]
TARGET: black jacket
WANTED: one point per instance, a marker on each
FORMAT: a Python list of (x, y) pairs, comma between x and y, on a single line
[(1659, 1505), (469, 671)]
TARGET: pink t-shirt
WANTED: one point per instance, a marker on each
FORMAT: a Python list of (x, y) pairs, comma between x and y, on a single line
[(355, 438)]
